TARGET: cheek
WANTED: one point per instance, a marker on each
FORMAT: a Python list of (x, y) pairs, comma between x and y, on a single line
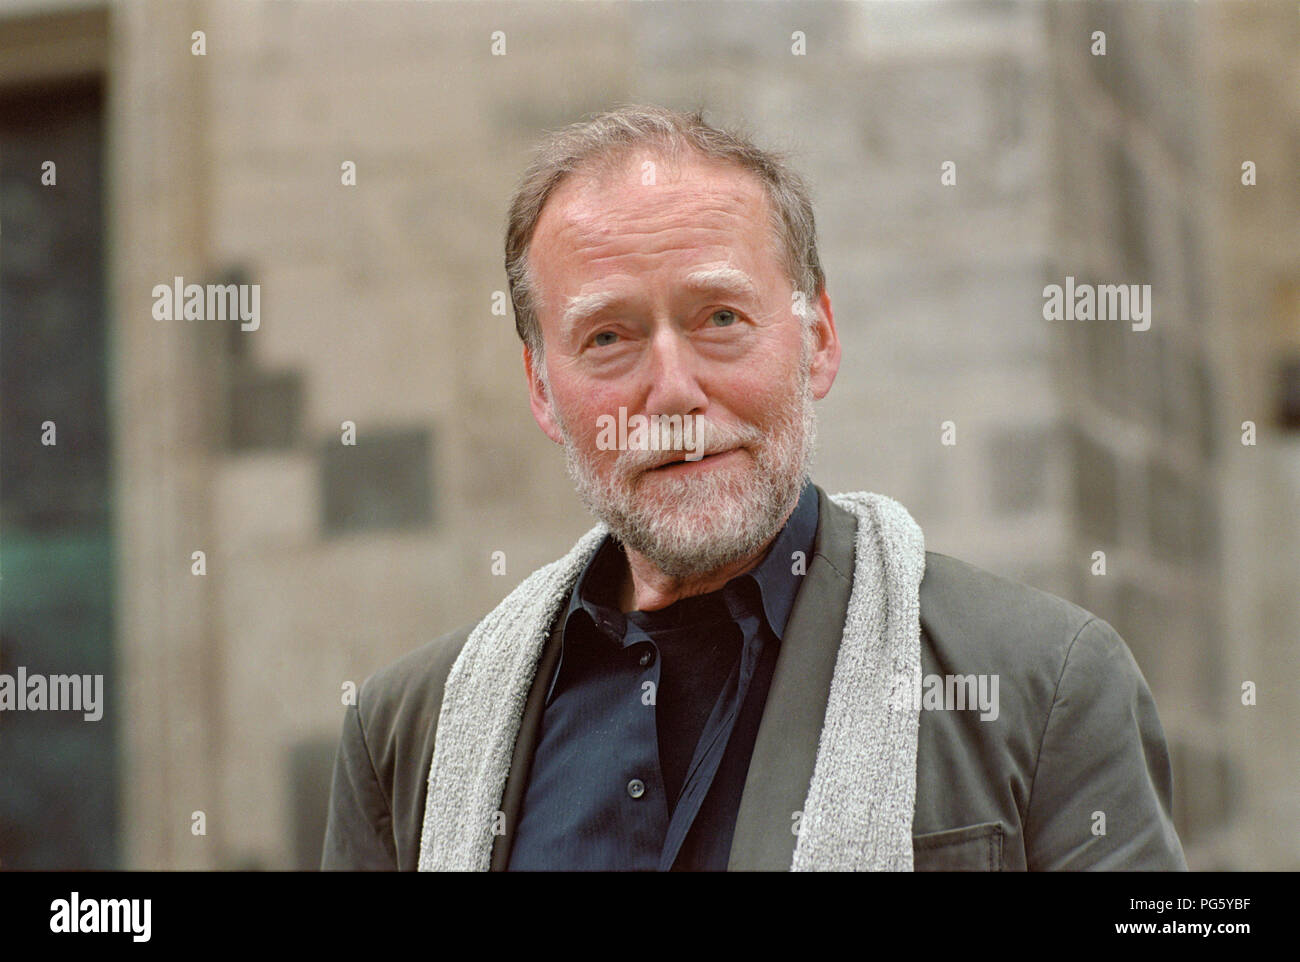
[(762, 391), (582, 411)]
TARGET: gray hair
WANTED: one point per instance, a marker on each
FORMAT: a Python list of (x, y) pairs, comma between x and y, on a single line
[(602, 141)]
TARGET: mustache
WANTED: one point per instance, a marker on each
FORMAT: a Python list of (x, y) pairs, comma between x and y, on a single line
[(710, 437)]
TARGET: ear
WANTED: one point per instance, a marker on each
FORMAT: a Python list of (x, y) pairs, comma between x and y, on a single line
[(826, 348), (539, 399)]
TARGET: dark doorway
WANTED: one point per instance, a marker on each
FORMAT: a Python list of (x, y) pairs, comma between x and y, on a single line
[(58, 771)]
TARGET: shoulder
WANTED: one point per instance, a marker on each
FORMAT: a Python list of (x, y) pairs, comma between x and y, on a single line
[(377, 800), (406, 695), (976, 616), (1041, 650)]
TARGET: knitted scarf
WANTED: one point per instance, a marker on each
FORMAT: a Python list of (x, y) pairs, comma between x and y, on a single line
[(858, 812)]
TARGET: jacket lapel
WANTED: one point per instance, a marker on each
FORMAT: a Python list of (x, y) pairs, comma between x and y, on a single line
[(785, 751), (512, 798)]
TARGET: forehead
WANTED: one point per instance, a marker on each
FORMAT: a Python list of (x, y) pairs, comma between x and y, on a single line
[(644, 203)]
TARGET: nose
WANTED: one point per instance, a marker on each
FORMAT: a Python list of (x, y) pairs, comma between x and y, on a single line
[(674, 376)]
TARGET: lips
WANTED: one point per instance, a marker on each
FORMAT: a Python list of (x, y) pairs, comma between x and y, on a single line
[(683, 460)]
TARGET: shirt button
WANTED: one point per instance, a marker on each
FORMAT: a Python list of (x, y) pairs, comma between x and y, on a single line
[(636, 788), (647, 656)]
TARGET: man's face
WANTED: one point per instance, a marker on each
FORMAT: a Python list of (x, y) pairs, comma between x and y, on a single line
[(669, 298)]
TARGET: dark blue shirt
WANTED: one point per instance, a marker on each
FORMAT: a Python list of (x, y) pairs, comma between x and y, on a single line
[(651, 717)]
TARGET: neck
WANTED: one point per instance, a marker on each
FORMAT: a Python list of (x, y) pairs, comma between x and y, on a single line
[(646, 588)]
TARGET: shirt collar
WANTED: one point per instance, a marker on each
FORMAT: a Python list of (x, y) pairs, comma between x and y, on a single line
[(777, 577), (782, 572)]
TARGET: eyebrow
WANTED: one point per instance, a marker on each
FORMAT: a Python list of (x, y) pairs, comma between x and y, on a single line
[(723, 279), (727, 280), (584, 306)]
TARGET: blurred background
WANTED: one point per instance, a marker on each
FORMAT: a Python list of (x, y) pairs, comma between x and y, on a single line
[(381, 306)]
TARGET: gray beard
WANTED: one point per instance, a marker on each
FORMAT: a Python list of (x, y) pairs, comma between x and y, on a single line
[(692, 526)]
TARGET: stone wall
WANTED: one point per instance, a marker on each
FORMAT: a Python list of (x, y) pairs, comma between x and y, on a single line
[(1151, 137)]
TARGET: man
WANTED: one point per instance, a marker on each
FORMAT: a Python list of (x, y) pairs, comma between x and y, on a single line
[(734, 670)]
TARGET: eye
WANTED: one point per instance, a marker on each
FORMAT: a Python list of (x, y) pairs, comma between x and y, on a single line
[(604, 338), (726, 317)]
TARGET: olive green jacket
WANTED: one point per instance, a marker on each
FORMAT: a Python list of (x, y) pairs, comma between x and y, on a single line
[(1072, 774)]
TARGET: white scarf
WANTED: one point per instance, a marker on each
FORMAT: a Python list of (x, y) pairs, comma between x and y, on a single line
[(858, 812)]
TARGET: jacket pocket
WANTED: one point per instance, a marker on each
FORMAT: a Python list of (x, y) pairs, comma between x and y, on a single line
[(974, 848)]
